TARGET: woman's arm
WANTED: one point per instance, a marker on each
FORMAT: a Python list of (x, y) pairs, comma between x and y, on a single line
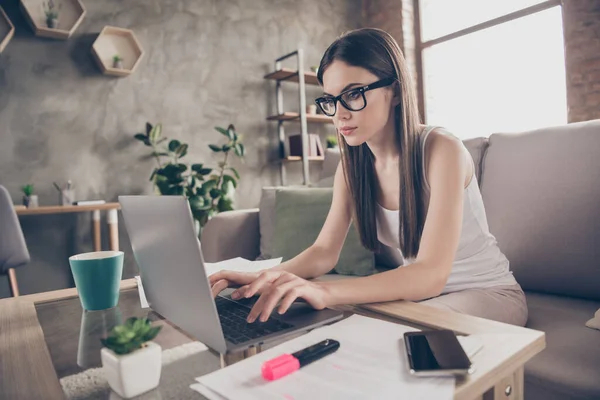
[(324, 254), (446, 171)]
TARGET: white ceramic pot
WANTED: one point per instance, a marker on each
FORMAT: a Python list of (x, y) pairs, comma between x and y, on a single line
[(130, 375)]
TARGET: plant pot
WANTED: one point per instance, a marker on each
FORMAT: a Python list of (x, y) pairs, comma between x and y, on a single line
[(130, 375), (52, 23), (118, 64), (30, 201)]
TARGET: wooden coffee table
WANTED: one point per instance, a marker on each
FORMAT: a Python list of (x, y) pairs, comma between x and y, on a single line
[(47, 336)]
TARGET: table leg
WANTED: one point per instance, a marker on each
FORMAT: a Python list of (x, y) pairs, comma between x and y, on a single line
[(113, 229), (96, 221), (12, 277), (510, 387), (232, 358)]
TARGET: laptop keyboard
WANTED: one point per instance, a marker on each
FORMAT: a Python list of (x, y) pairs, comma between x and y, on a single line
[(237, 330)]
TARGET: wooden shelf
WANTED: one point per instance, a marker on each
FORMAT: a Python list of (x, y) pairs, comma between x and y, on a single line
[(7, 30), (292, 116), (290, 75), (117, 41), (298, 158), (70, 15)]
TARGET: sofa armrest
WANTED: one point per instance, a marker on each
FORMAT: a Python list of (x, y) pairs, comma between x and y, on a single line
[(231, 234)]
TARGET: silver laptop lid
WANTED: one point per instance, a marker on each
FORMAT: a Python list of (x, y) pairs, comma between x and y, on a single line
[(168, 254)]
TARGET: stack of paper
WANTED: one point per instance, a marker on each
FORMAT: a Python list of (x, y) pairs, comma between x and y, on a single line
[(370, 363)]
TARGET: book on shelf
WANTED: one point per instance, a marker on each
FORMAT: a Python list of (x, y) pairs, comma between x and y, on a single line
[(315, 147)]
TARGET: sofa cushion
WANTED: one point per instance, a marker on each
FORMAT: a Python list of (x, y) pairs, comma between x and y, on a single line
[(569, 366), (541, 191), (300, 214)]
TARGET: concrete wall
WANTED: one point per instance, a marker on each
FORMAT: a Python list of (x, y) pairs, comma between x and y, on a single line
[(61, 119)]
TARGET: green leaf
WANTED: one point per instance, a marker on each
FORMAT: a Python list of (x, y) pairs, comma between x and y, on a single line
[(227, 178), (158, 154), (153, 174), (234, 172), (155, 133), (242, 149), (140, 136), (196, 167), (161, 140), (182, 150), (214, 193), (174, 144), (196, 202), (148, 128), (226, 147), (214, 148), (205, 171), (181, 167), (224, 205), (224, 132), (231, 131)]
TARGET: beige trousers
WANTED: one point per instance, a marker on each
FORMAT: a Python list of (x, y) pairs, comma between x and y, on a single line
[(499, 303)]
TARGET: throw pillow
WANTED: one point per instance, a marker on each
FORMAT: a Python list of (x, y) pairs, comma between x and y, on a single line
[(299, 217), (266, 219)]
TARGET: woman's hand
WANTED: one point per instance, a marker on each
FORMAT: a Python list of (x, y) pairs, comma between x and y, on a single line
[(274, 286), (285, 288)]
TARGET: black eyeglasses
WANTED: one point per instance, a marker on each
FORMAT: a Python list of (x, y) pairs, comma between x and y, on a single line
[(352, 99)]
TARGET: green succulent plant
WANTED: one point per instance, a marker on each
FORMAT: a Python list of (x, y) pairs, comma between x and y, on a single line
[(27, 189), (130, 336)]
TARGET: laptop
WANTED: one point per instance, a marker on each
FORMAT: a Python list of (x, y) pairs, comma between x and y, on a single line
[(169, 256)]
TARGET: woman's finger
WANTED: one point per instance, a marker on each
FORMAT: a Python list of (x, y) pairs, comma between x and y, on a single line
[(268, 300), (263, 279), (289, 299), (239, 293), (219, 286), (234, 277)]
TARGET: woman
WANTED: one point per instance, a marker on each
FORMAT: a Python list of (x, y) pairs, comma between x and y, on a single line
[(405, 185)]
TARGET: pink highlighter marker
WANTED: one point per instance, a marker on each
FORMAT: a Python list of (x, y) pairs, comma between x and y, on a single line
[(288, 363)]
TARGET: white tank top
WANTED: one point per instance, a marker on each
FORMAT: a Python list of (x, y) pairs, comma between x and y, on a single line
[(478, 263)]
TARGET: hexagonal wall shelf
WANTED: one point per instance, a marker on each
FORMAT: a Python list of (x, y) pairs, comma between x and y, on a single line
[(7, 30), (70, 15), (112, 42)]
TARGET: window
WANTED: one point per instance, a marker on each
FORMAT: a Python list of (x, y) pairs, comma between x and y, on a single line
[(507, 77)]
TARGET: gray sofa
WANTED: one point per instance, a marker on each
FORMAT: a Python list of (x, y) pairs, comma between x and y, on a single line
[(541, 190)]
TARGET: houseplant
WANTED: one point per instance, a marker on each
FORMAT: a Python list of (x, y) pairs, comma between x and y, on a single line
[(117, 61), (51, 14), (131, 360), (332, 142), (209, 190), (29, 199)]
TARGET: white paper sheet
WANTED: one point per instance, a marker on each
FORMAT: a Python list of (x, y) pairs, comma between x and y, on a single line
[(143, 301), (242, 265), (370, 363)]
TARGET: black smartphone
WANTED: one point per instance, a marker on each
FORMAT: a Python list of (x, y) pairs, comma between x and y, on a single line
[(436, 353)]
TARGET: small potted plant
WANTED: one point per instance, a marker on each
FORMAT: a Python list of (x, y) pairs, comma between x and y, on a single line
[(332, 142), (131, 360), (117, 61), (29, 199), (51, 14)]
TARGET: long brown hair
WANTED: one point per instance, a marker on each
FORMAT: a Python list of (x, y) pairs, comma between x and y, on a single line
[(378, 52)]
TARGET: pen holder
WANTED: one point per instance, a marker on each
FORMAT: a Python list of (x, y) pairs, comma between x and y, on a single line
[(66, 197)]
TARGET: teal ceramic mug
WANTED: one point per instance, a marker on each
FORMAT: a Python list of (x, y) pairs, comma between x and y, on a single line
[(97, 277)]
